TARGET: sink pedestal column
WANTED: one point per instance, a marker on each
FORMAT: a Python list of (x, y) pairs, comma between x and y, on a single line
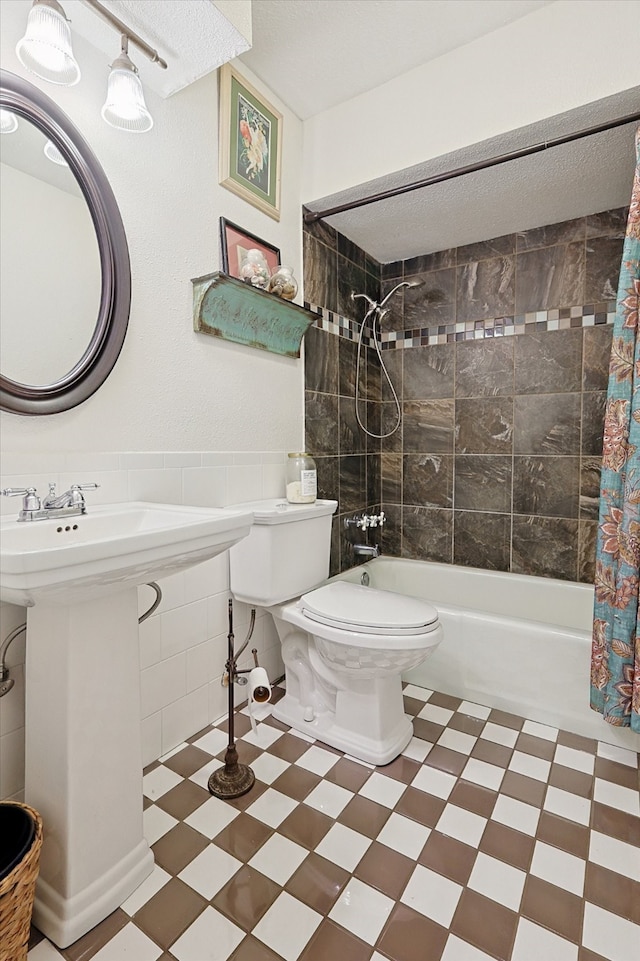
[(84, 759)]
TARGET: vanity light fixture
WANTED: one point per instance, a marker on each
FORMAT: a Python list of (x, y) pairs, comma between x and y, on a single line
[(8, 121), (124, 107), (52, 153), (45, 48), (46, 51)]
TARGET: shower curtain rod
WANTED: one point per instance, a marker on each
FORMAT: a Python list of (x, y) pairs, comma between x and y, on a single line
[(311, 217)]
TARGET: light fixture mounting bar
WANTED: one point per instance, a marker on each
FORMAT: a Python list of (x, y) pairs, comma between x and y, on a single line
[(122, 28)]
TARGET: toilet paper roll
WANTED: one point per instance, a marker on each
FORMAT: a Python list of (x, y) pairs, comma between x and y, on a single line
[(259, 687)]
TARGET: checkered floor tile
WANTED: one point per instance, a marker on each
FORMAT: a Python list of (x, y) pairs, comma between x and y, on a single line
[(490, 837)]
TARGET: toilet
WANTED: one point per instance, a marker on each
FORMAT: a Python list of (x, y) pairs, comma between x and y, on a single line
[(344, 645)]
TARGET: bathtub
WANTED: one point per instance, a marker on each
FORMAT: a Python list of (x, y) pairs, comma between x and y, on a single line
[(516, 643)]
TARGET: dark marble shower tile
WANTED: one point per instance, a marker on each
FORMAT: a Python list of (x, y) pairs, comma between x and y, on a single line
[(547, 486), (391, 536), (336, 534), (348, 537), (544, 546), (374, 481), (321, 422), (483, 482), (486, 249), (485, 288), (484, 425), (352, 437), (547, 424), (608, 223), (427, 534), (391, 474), (428, 372), (482, 540), (393, 362), (393, 269), (353, 280), (393, 311), (548, 361), (428, 426), (321, 230), (373, 423), (484, 368), (327, 468), (321, 361), (373, 267), (347, 248), (596, 354), (374, 374), (320, 275), (432, 303), (391, 428), (550, 277), (593, 408), (353, 480), (587, 538), (427, 480), (347, 366), (604, 256), (565, 232), (589, 487), (434, 261)]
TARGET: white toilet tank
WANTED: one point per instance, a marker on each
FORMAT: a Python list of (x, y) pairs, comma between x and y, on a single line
[(285, 554)]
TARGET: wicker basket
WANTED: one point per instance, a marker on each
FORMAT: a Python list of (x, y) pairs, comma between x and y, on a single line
[(16, 898)]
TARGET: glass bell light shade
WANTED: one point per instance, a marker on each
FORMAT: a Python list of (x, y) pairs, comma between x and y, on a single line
[(45, 48), (8, 121), (124, 107), (52, 153)]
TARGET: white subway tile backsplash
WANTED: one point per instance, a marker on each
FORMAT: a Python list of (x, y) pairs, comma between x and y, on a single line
[(141, 460), (247, 457), (150, 642), (218, 614), (244, 483), (204, 486), (184, 717), (200, 665), (217, 459), (173, 592), (151, 738), (183, 627), (182, 459), (218, 699), (273, 457), (163, 683), (161, 486), (36, 462), (208, 578), (113, 485), (273, 480), (91, 460)]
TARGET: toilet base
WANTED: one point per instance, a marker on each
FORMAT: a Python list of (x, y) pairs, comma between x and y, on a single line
[(351, 739)]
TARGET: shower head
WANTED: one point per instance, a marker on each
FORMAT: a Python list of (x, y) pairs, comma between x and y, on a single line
[(403, 283)]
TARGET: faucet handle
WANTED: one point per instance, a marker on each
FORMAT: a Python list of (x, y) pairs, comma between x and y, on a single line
[(84, 487), (31, 500)]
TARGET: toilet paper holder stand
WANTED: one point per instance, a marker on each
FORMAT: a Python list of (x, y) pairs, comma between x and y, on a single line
[(235, 779)]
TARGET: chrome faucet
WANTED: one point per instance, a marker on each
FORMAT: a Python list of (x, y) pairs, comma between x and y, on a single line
[(69, 504), (366, 550)]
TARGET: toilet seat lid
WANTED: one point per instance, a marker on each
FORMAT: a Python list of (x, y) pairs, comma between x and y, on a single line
[(368, 610)]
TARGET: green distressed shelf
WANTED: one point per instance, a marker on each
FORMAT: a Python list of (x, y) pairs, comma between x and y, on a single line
[(228, 308)]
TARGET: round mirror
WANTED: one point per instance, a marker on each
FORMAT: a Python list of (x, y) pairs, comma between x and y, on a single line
[(66, 286)]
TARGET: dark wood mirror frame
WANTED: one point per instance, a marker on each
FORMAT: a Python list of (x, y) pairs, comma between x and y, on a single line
[(95, 365)]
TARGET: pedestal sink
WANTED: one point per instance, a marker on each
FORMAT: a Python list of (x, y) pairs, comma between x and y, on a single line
[(79, 578)]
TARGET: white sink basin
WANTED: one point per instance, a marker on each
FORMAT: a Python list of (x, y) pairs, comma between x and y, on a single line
[(77, 558)]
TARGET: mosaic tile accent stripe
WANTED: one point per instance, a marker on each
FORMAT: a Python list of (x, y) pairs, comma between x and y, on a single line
[(563, 318)]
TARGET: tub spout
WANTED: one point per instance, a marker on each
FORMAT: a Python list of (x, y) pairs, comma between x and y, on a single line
[(366, 550)]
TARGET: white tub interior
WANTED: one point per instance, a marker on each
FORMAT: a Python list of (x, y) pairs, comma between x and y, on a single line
[(516, 643)]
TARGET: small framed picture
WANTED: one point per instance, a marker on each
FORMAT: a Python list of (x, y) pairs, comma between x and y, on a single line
[(234, 244), (250, 143)]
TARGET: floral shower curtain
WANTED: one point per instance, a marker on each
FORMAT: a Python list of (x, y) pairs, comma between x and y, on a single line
[(615, 655)]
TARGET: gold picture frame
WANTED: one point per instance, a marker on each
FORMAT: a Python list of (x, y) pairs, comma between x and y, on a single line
[(250, 143)]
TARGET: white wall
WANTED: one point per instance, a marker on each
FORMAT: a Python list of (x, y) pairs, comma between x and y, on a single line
[(565, 55), (172, 389), (183, 417)]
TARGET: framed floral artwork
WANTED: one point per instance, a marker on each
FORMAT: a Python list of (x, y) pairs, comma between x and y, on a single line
[(250, 143), (235, 242)]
